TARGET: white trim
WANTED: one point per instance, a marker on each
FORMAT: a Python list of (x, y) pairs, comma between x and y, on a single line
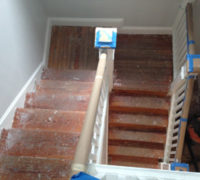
[(70, 21), (144, 30), (110, 22), (122, 172), (101, 150), (7, 118)]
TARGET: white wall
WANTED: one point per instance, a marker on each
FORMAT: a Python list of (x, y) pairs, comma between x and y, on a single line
[(23, 26), (137, 13), (196, 16)]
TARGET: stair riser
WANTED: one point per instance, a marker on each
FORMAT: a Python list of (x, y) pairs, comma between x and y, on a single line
[(133, 159), (120, 91), (119, 142), (143, 128), (139, 110)]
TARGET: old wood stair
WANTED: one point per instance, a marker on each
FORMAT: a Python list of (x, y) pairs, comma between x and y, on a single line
[(44, 134), (139, 104)]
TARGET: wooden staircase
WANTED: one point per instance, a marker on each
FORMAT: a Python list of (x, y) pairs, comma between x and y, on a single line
[(42, 141), (139, 103)]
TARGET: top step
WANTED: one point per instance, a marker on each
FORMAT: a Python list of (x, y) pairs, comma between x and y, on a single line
[(69, 75), (144, 42)]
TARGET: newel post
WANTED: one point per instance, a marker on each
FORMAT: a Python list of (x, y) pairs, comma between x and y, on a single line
[(106, 41)]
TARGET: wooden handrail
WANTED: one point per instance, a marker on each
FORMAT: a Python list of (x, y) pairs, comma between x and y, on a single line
[(84, 145)]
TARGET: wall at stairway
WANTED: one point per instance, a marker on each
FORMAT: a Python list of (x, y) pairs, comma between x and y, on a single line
[(136, 13), (196, 8), (23, 27)]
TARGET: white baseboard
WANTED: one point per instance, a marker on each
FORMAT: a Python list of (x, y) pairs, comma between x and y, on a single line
[(7, 118), (109, 22), (144, 30)]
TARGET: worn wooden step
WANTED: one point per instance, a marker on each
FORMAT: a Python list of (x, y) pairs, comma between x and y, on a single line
[(52, 120), (67, 86), (122, 89), (144, 51), (57, 100), (37, 143), (63, 92), (164, 55), (133, 164), (142, 76), (140, 104), (144, 41), (152, 72), (31, 168), (135, 154), (138, 122), (69, 75), (22, 176), (136, 138), (140, 87), (144, 64)]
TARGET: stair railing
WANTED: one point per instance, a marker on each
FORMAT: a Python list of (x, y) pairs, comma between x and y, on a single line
[(179, 33), (186, 68), (92, 145)]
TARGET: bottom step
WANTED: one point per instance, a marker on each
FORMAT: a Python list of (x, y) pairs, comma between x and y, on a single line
[(28, 168), (133, 164)]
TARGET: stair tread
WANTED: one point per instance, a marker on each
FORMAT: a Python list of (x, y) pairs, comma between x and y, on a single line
[(21, 176), (142, 78), (133, 164), (37, 143), (144, 63), (58, 101), (69, 75), (135, 151), (137, 54), (151, 137), (34, 167), (31, 176), (139, 101), (150, 52), (144, 41), (45, 119), (67, 86), (134, 120)]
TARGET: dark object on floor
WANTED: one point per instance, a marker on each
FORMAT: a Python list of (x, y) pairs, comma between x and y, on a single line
[(83, 176), (194, 129), (193, 137)]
